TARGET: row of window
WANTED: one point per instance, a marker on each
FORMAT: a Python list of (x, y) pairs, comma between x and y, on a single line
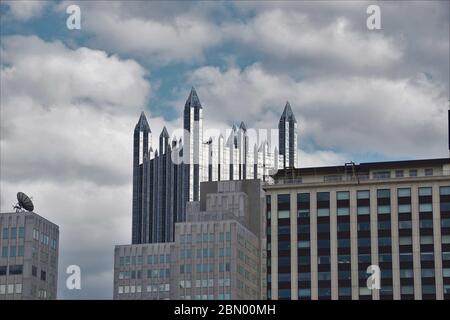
[(13, 270), (138, 260), (164, 287), (343, 207), (220, 296), (205, 253), (44, 239), (205, 237), (151, 274), (362, 291), (205, 283), (13, 233), (10, 288), (12, 251), (205, 267), (400, 173)]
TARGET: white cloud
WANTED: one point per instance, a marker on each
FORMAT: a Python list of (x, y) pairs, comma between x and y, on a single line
[(321, 158), (26, 9), (120, 28), (351, 114), (292, 35), (66, 139)]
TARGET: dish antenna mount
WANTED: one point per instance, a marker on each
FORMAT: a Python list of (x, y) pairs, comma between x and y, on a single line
[(23, 203)]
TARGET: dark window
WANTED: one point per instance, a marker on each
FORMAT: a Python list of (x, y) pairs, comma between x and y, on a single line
[(2, 270), (15, 269), (34, 271), (43, 275)]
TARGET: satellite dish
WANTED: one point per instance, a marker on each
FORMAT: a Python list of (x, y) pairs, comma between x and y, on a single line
[(23, 202)]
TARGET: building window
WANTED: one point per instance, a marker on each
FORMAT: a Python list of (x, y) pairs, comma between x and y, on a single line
[(35, 234), (404, 208), (428, 172), (303, 205), (3, 271), (386, 209), (5, 233), (284, 206), (381, 174), (413, 172), (425, 207), (399, 173), (323, 204), (426, 239), (16, 269), (18, 288), (43, 275), (407, 224), (268, 206), (343, 203), (4, 252), (404, 192), (21, 232), (425, 191), (34, 271)]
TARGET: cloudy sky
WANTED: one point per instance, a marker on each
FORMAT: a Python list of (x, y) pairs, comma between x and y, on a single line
[(70, 98)]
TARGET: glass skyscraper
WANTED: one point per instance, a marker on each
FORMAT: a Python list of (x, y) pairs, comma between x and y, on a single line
[(166, 178)]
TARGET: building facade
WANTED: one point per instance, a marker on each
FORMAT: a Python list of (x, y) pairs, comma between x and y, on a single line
[(218, 253), (29, 257), (165, 178), (327, 225)]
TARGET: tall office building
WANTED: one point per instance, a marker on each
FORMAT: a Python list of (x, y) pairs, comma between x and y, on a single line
[(327, 225), (169, 176), (218, 252), (141, 143), (287, 135), (29, 257)]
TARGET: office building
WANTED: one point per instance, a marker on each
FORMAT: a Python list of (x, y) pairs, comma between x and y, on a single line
[(218, 252), (29, 257), (167, 177), (327, 225)]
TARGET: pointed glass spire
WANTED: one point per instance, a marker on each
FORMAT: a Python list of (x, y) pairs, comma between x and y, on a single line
[(164, 133), (287, 113), (243, 127), (193, 101), (142, 124)]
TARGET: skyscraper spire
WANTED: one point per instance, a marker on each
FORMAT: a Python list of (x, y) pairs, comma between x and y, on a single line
[(141, 144), (142, 123), (287, 137), (193, 101), (287, 113), (164, 133), (242, 126)]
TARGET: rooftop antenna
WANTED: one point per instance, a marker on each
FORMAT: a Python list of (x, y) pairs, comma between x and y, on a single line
[(23, 203)]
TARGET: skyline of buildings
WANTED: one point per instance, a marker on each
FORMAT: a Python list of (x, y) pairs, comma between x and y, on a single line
[(218, 253), (167, 177), (325, 228)]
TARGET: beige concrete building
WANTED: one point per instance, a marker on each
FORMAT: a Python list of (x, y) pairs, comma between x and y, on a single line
[(29, 257), (326, 225), (218, 253)]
